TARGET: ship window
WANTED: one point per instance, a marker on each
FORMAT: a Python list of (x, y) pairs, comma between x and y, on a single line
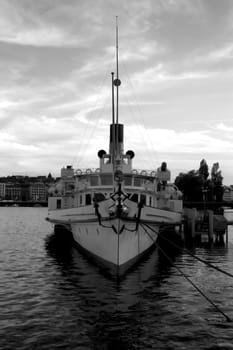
[(99, 197), (58, 203), (94, 180), (85, 178), (88, 198), (107, 160), (134, 197), (137, 181), (143, 198), (128, 180), (106, 180)]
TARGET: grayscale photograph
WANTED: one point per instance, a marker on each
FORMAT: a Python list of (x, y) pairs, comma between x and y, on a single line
[(116, 174)]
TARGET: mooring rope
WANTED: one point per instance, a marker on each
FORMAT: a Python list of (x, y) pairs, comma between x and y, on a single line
[(193, 255), (187, 278)]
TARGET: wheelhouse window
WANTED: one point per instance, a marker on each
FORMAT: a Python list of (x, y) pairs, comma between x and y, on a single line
[(107, 160), (106, 180), (137, 181), (88, 198), (58, 203), (128, 180), (126, 160), (94, 180), (143, 198)]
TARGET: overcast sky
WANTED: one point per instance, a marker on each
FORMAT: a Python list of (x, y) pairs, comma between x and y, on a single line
[(176, 97)]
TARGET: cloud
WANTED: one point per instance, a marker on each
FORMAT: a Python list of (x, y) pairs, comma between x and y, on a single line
[(56, 63), (159, 74), (222, 53), (42, 37), (168, 140), (223, 127), (24, 24)]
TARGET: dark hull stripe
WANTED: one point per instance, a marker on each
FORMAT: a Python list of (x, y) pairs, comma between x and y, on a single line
[(95, 220)]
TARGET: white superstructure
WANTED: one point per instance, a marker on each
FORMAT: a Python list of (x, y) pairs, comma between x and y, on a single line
[(115, 218), (115, 212)]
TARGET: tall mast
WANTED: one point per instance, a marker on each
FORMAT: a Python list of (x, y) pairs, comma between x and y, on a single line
[(117, 83), (113, 125), (113, 107)]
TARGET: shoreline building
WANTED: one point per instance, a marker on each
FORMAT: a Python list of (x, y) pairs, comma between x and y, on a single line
[(25, 188), (2, 190), (228, 193), (39, 191)]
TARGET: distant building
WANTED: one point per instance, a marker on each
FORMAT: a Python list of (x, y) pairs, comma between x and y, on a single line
[(228, 193), (2, 190), (25, 188), (25, 191), (13, 191), (38, 191)]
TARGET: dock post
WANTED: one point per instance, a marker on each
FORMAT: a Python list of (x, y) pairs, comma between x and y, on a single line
[(227, 235), (211, 226), (182, 232), (193, 220), (189, 228)]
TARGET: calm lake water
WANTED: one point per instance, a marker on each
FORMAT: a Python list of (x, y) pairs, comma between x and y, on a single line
[(52, 297)]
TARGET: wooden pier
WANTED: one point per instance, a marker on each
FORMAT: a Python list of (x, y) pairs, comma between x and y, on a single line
[(204, 226)]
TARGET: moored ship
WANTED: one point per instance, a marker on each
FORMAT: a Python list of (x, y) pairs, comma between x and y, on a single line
[(115, 212)]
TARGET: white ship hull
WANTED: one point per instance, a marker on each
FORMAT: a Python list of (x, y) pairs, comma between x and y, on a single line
[(116, 251), (115, 243)]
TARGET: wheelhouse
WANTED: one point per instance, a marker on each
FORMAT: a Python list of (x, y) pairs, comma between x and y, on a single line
[(82, 188)]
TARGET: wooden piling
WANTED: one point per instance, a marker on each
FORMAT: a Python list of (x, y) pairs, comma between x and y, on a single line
[(182, 232), (196, 228), (189, 223), (193, 214), (210, 225)]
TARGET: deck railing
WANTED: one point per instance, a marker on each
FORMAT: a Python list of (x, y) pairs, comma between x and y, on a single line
[(142, 172)]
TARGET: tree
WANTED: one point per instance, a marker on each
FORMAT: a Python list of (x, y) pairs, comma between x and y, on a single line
[(197, 186), (216, 179), (191, 185), (204, 170)]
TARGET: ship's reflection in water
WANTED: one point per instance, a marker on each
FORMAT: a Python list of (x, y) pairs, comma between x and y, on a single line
[(105, 313), (52, 297)]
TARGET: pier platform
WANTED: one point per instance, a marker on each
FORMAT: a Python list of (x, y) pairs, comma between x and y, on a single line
[(204, 225)]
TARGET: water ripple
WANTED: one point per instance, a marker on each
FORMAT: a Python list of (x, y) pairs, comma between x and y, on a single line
[(52, 297)]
